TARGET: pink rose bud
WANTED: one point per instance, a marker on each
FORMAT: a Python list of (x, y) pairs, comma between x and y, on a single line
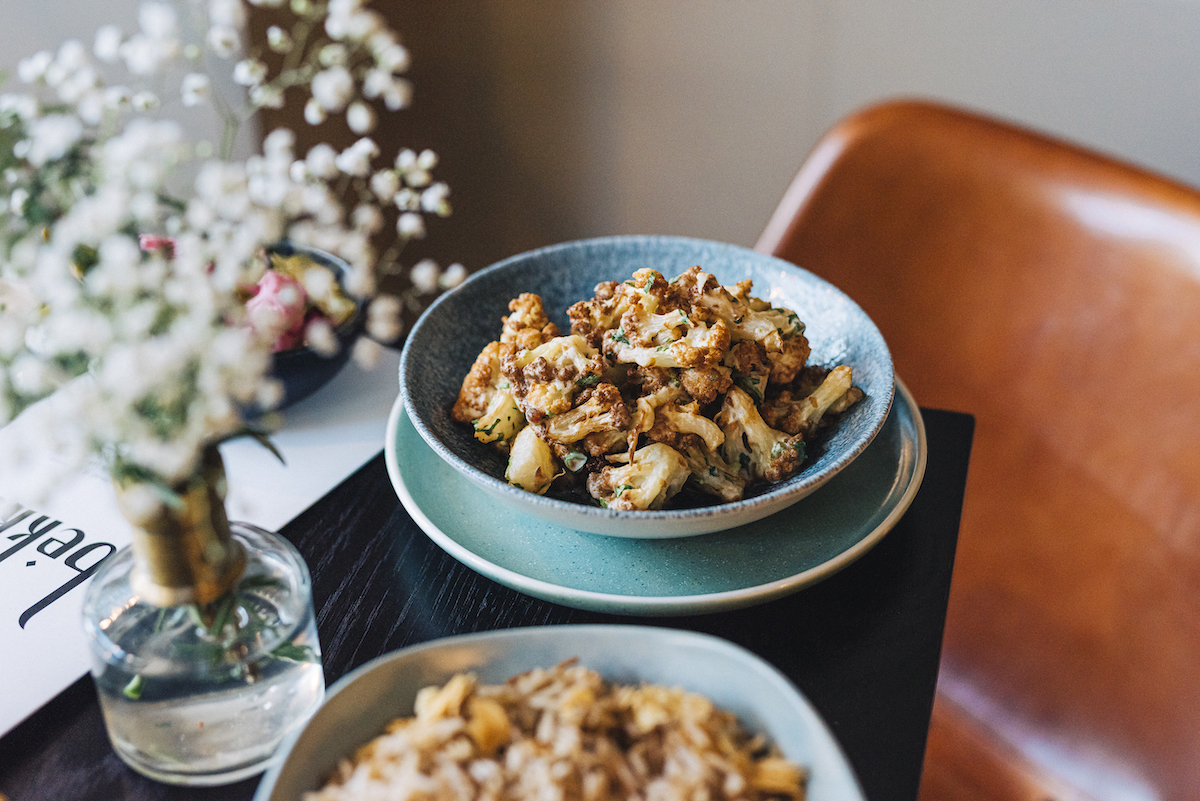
[(278, 309), (152, 243)]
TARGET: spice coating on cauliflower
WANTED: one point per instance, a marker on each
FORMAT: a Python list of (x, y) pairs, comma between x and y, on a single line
[(659, 385)]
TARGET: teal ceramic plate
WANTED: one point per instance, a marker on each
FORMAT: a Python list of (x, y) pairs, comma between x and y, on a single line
[(361, 703), (750, 564)]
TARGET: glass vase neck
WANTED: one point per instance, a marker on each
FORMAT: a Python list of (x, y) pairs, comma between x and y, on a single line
[(184, 552)]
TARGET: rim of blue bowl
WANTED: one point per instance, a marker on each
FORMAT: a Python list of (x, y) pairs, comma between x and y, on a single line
[(797, 486)]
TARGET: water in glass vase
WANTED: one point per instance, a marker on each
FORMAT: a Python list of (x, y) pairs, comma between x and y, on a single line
[(204, 695)]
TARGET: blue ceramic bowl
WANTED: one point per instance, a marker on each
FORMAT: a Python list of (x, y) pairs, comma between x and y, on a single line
[(360, 704), (443, 345), (302, 370)]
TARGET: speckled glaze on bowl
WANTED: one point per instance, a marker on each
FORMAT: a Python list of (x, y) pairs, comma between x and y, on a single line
[(446, 339), (360, 704)]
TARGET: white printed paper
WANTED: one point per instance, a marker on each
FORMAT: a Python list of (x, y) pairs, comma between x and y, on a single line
[(49, 549)]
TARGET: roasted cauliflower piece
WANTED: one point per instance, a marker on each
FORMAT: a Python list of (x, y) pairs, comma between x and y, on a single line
[(546, 378), (600, 409), (501, 422), (711, 474), (674, 424), (759, 451), (527, 326), (590, 319), (531, 463), (801, 416), (480, 385), (653, 476)]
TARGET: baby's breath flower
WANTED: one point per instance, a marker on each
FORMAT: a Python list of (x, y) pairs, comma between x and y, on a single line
[(393, 58), (356, 159), (91, 107), (383, 318), (195, 88), (107, 44), (367, 217), (249, 72), (385, 184), (314, 114), (333, 88), (454, 275), (222, 40), (435, 199), (227, 13), (33, 69), (51, 137), (279, 40), (145, 101), (367, 353), (411, 226), (117, 96), (407, 200), (424, 276), (322, 161), (319, 336), (266, 97), (157, 20), (360, 117), (333, 55)]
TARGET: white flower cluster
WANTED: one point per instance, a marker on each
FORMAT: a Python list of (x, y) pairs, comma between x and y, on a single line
[(146, 347)]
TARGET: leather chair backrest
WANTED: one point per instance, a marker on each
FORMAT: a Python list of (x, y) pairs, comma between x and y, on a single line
[(1055, 294)]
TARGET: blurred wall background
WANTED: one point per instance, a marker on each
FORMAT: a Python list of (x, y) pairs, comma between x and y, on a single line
[(557, 119)]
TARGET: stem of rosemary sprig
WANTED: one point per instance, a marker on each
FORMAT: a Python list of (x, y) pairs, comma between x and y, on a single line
[(224, 632)]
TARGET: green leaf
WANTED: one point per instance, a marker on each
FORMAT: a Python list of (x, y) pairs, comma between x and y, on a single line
[(296, 653), (133, 690), (258, 435)]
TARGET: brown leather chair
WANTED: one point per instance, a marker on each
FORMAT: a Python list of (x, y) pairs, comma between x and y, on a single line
[(1054, 294)]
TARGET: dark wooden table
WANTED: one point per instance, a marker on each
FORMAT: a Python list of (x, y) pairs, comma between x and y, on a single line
[(863, 645)]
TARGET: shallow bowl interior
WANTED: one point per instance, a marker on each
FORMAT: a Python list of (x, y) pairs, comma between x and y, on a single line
[(363, 702), (446, 340)]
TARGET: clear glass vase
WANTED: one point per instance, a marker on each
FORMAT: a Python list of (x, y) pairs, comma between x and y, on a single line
[(204, 644)]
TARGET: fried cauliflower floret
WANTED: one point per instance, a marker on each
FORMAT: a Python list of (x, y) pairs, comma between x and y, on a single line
[(601, 409), (481, 384), (800, 416), (670, 340), (592, 318), (501, 422), (759, 451), (789, 359), (713, 475), (546, 379), (531, 463), (527, 326), (674, 424), (644, 410), (653, 476), (706, 384)]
